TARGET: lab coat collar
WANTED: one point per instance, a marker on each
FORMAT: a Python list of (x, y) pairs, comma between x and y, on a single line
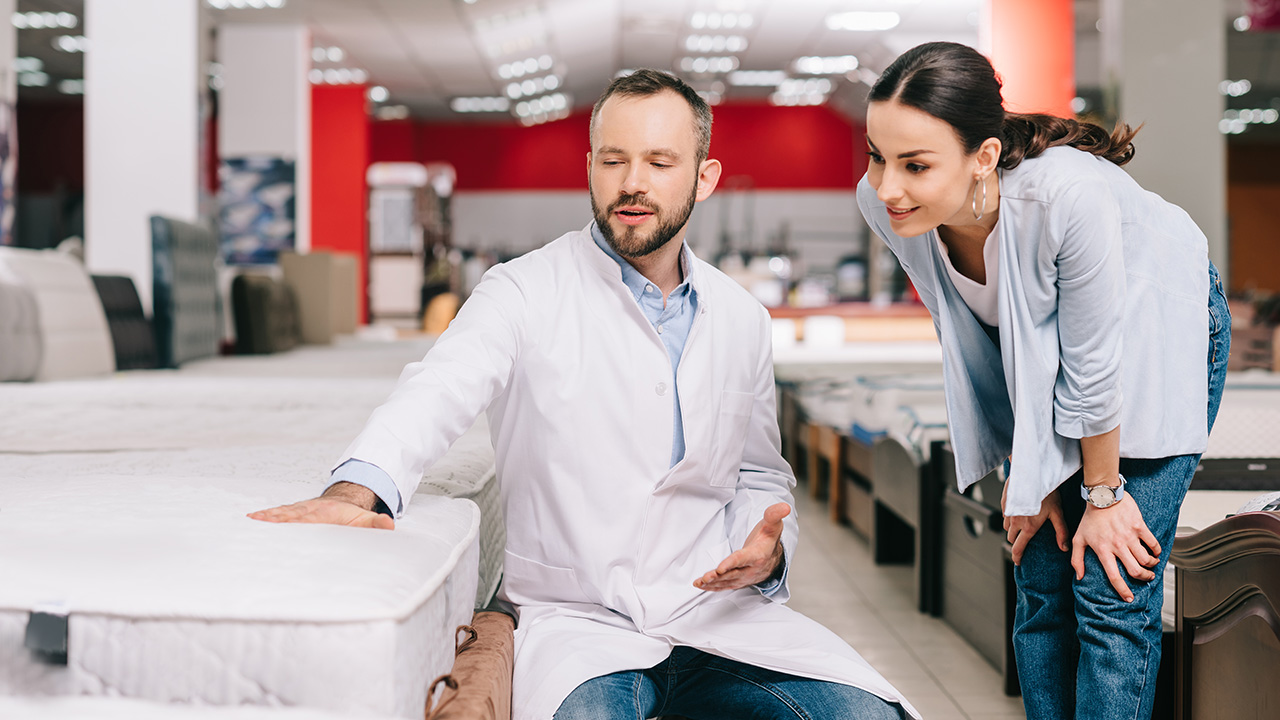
[(614, 265)]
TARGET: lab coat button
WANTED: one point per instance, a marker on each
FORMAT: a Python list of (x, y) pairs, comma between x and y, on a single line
[(661, 389)]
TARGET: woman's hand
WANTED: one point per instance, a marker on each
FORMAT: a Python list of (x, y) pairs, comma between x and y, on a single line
[(1117, 533), (1022, 528)]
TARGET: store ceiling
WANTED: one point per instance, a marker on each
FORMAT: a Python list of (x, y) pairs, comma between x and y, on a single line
[(429, 52)]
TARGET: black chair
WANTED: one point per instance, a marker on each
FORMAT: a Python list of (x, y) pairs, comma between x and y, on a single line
[(131, 332)]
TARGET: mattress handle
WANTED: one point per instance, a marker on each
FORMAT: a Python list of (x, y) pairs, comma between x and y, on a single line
[(447, 679)]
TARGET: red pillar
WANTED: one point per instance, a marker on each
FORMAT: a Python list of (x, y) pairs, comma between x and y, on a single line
[(1033, 50), (339, 159)]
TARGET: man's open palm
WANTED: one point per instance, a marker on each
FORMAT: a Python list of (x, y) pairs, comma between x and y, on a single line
[(756, 561)]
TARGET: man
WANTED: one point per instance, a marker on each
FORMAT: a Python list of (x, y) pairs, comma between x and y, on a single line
[(631, 400)]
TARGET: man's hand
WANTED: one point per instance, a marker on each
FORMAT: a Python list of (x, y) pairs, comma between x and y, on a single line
[(1021, 528), (756, 561), (342, 504), (1117, 533)]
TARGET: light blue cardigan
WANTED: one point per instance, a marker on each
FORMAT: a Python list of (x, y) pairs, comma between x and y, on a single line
[(1102, 286)]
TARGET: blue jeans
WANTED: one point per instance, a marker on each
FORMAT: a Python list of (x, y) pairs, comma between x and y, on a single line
[(1083, 652), (701, 686)]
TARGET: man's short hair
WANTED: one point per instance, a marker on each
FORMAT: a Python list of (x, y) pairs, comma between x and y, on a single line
[(646, 82)]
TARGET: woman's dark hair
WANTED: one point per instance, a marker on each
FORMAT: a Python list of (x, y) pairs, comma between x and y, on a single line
[(957, 85)]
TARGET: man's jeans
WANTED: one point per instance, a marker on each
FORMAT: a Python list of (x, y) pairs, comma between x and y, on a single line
[(698, 685), (1083, 652)]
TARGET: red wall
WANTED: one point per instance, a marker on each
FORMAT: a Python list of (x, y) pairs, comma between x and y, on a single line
[(775, 147), (339, 159)]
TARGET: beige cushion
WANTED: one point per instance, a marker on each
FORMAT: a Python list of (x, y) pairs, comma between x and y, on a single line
[(325, 285), (75, 339)]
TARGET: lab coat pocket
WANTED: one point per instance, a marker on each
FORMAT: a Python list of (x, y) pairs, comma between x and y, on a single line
[(731, 436), (529, 582)]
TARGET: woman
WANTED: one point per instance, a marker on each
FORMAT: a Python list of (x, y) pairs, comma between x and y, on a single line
[(1071, 307)]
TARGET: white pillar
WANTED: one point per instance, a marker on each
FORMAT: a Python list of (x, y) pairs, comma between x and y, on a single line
[(143, 80), (1163, 61), (264, 107)]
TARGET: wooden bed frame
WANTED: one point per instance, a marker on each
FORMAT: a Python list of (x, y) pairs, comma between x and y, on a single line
[(1228, 619)]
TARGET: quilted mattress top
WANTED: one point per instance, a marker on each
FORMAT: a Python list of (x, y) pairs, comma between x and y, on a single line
[(174, 546)]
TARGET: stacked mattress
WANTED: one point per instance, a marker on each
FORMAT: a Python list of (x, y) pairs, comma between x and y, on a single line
[(131, 570)]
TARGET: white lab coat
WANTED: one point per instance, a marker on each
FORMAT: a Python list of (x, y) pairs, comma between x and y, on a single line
[(604, 539)]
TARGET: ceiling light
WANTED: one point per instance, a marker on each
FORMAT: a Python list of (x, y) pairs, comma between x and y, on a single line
[(377, 93), (359, 76), (757, 78), (33, 79), (70, 43), (392, 112), (1079, 105), (863, 21), (715, 43), (1234, 88), (67, 20), (480, 104), (316, 76), (335, 54), (1242, 23), (837, 65), (318, 54), (28, 64), (71, 87), (700, 65)]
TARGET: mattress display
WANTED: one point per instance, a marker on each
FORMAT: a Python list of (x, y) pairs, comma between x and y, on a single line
[(916, 427), (102, 708), (171, 594), (126, 499), (20, 342)]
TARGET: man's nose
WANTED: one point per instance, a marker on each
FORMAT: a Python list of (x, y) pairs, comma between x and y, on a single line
[(637, 180)]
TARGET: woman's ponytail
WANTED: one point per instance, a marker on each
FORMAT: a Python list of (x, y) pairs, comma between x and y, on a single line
[(1027, 136), (957, 85)]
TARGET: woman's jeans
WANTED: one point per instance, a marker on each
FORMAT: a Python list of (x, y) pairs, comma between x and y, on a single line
[(1083, 652), (700, 686)]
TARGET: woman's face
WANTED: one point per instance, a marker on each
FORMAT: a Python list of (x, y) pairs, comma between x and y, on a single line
[(919, 169)]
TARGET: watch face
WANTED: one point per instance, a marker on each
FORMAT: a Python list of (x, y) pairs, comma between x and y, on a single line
[(1102, 496)]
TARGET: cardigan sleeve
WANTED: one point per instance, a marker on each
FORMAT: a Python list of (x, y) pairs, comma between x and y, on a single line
[(1091, 295)]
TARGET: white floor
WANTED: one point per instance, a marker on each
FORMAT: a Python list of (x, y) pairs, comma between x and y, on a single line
[(835, 582)]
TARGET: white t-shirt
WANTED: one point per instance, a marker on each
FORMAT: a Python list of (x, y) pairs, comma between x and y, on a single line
[(981, 299)]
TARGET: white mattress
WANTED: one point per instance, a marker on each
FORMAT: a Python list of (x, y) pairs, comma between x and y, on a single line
[(126, 496), (102, 708), (173, 595), (917, 426), (1248, 424)]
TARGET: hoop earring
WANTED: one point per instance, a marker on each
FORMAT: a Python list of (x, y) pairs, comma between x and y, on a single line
[(979, 212)]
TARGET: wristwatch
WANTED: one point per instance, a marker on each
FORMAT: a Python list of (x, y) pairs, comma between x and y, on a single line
[(1103, 496)]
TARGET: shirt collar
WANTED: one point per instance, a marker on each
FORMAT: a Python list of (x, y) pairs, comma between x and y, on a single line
[(631, 277)]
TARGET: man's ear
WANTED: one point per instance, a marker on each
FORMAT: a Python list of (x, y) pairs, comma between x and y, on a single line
[(708, 178), (588, 165)]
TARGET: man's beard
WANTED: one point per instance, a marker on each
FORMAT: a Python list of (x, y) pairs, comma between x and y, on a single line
[(631, 244)]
